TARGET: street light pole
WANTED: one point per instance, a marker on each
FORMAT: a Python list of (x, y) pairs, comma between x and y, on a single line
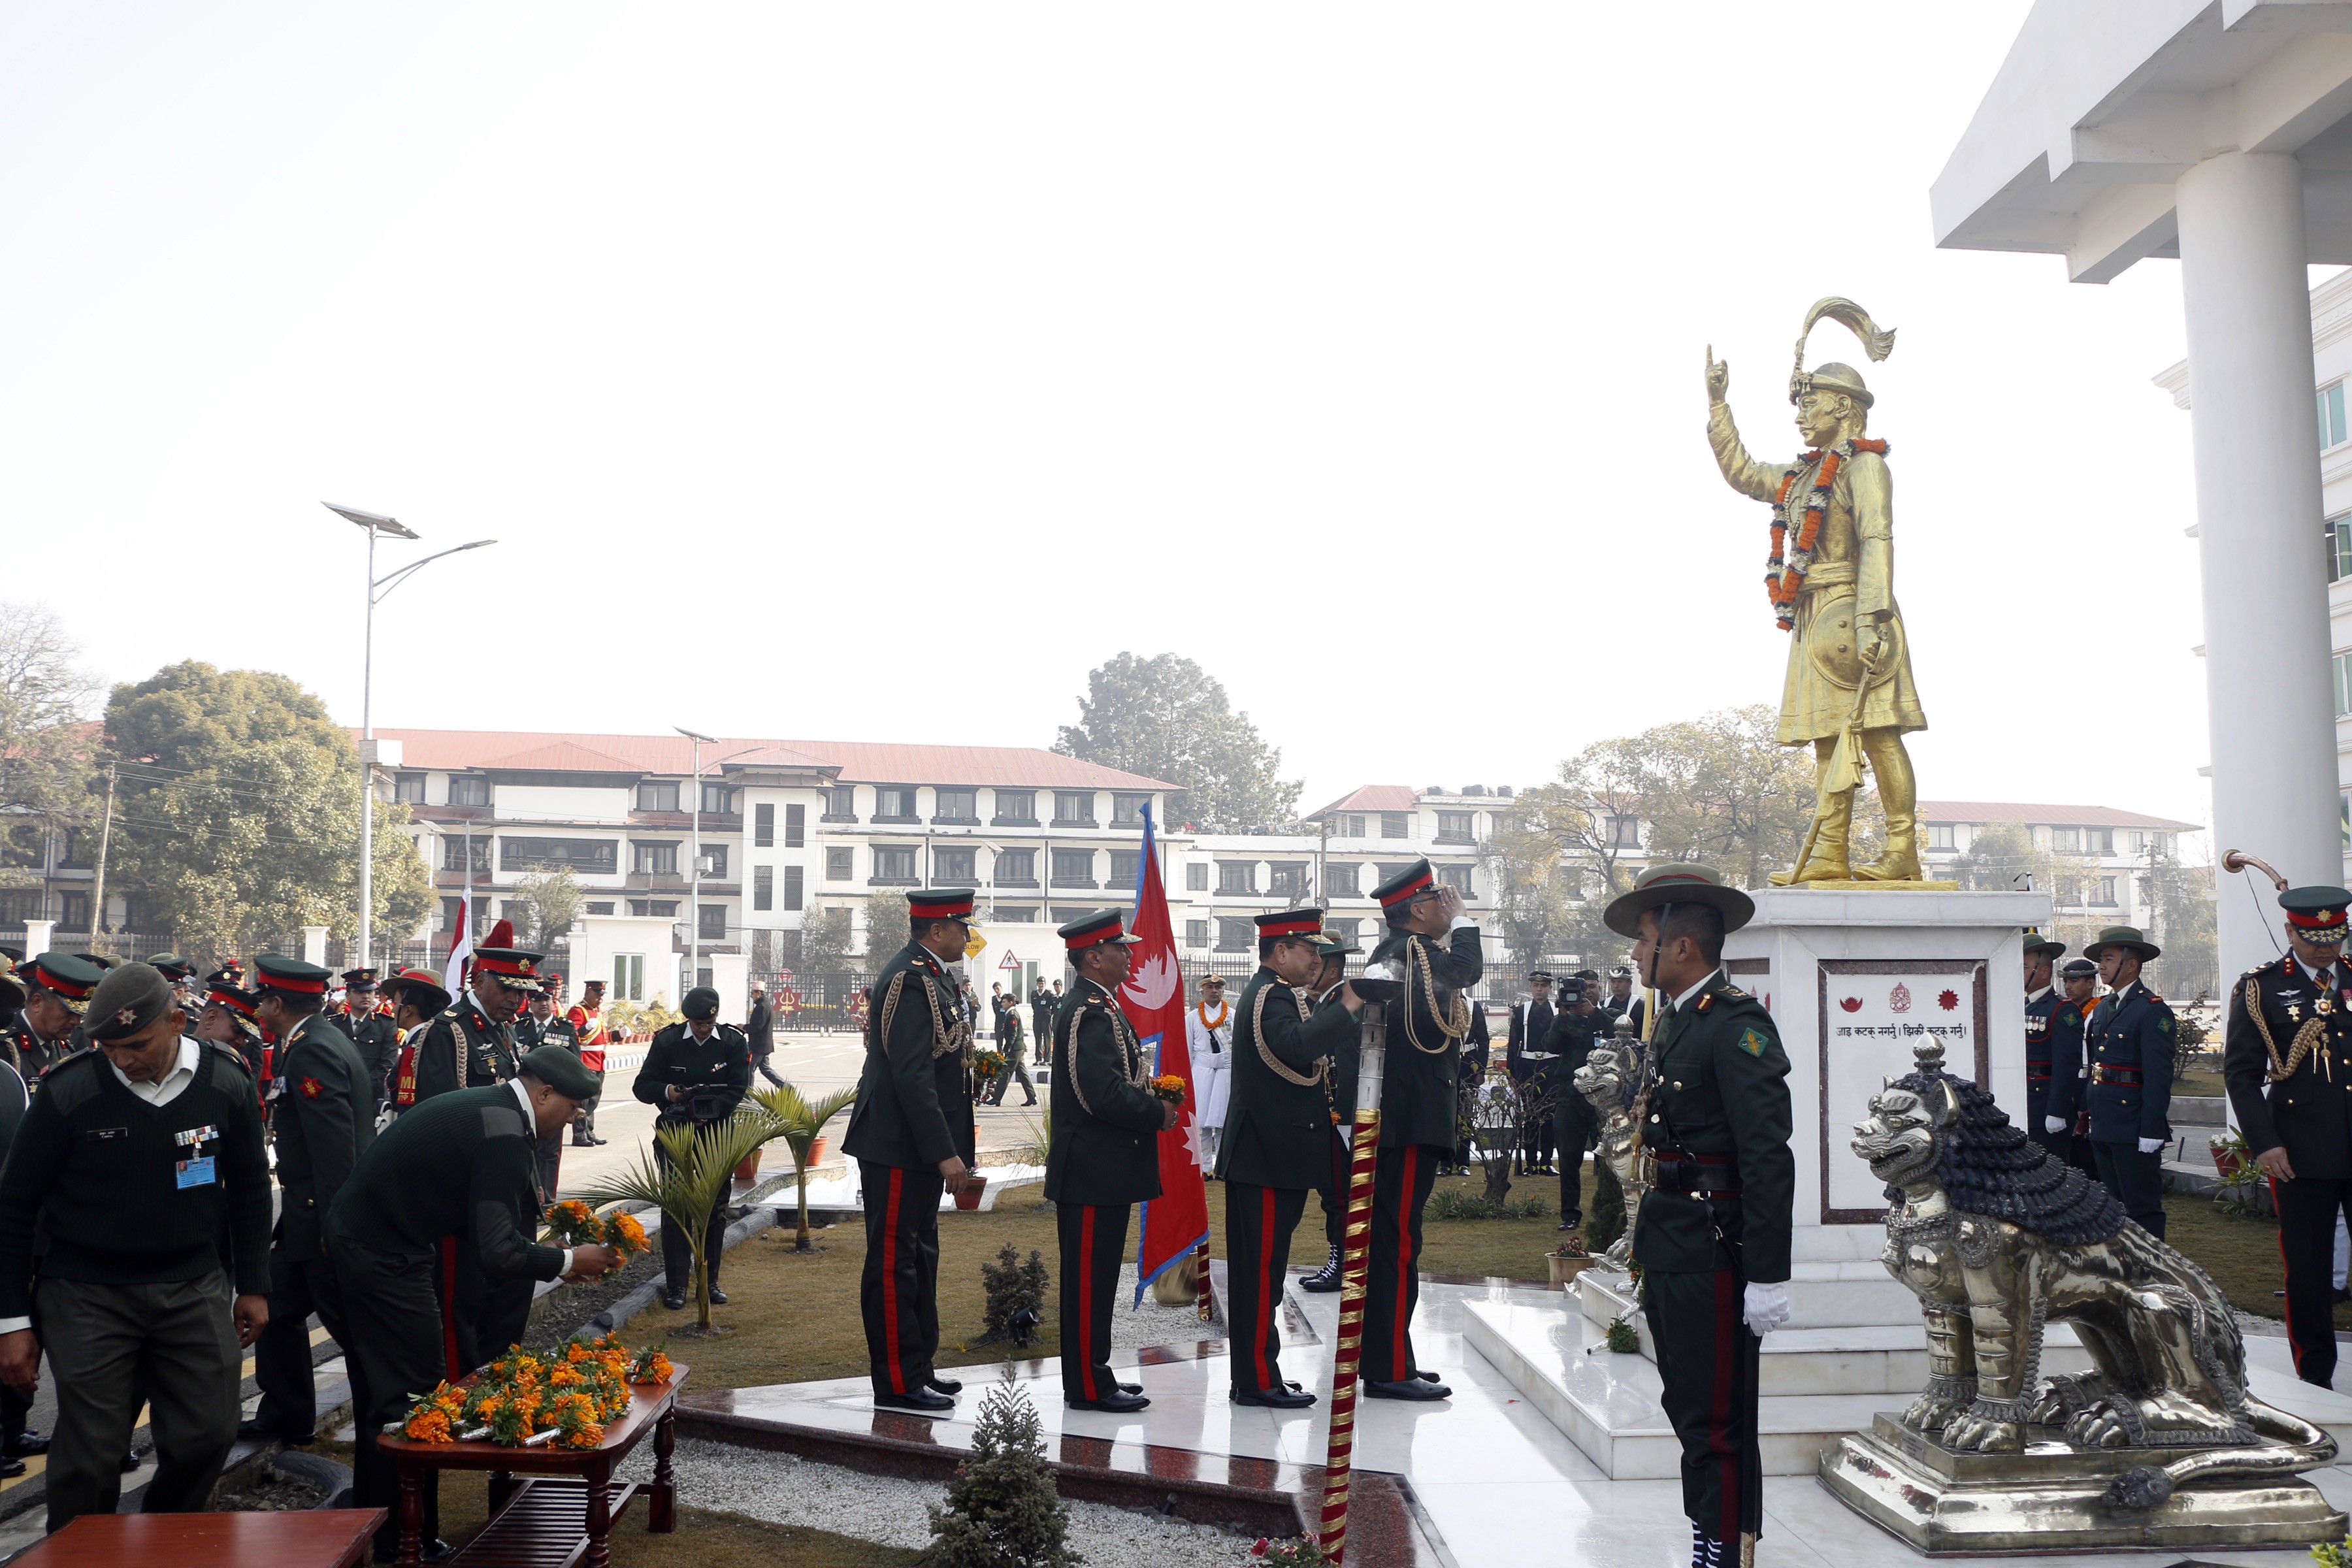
[(694, 907), (376, 588)]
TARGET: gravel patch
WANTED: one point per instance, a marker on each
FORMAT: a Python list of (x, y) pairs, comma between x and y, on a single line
[(784, 1488), (1153, 1324)]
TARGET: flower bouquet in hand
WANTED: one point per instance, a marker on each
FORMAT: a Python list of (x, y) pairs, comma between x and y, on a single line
[(987, 1063), (573, 1223), (1167, 1086)]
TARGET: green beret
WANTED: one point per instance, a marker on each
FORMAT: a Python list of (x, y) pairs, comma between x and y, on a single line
[(702, 1002), (130, 997), (560, 1070)]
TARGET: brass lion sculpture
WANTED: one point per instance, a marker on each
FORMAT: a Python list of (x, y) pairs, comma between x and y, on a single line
[(1613, 1082), (1996, 1238)]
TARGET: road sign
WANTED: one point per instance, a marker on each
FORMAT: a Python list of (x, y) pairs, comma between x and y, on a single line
[(1008, 961)]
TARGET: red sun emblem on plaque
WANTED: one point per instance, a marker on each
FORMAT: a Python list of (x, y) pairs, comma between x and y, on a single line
[(1851, 1003), (1947, 1000), (1899, 999)]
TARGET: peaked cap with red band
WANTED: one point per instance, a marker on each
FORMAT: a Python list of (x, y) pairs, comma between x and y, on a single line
[(1289, 922), (1677, 884), (69, 979), (941, 904), (2316, 914), (1411, 882), (273, 972), (221, 994), (1094, 930)]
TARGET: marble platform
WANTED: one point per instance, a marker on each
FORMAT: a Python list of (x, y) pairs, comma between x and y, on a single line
[(1490, 1478)]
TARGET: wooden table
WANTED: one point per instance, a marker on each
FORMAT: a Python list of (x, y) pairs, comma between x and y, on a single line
[(312, 1538), (564, 1493)]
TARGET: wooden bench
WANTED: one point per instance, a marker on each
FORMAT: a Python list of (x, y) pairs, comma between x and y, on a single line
[(304, 1537)]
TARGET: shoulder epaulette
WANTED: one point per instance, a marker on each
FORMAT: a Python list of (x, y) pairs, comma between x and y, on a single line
[(1734, 992)]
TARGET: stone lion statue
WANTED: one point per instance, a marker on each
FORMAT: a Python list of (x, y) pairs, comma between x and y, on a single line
[(1996, 1238), (1612, 1081)]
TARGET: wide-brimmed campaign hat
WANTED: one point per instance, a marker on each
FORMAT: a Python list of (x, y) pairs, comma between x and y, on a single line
[(2123, 937), (1677, 884)]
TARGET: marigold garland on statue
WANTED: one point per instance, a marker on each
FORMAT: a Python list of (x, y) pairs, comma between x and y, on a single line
[(1785, 574)]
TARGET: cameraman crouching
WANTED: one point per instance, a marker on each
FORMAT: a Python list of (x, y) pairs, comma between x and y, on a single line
[(697, 1072)]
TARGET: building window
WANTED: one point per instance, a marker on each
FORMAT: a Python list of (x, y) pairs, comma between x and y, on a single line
[(468, 789), (1396, 824), (837, 865), (2103, 892), (764, 826), (894, 865), (2331, 417), (410, 787), (893, 803), (1196, 933), (1383, 873), (2339, 548), (2342, 665), (1074, 809), (1625, 832), (712, 924), (1339, 880), (1063, 914), (1013, 914), (1127, 810), (959, 805), (1236, 935), (448, 914), (628, 976), (1125, 867), (657, 797), (795, 826), (841, 804), (1237, 876), (954, 867), (1290, 880), (1454, 827), (652, 859), (793, 880), (718, 799), (591, 857), (714, 860), (1939, 836), (600, 906), (1196, 878), (1345, 930), (2083, 840), (1074, 868), (654, 909), (1351, 825), (763, 886), (453, 854), (1458, 879), (1015, 809), (1016, 867)]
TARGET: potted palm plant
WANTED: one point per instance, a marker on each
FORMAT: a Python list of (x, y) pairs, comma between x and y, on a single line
[(686, 1179), (788, 1114)]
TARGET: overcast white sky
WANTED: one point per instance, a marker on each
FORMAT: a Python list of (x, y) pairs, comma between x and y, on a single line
[(873, 372)]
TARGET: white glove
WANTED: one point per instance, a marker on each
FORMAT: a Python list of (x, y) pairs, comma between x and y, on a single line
[(1765, 1308), (2150, 1145), (2053, 1125)]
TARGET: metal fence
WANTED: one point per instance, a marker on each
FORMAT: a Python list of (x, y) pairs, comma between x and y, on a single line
[(386, 957)]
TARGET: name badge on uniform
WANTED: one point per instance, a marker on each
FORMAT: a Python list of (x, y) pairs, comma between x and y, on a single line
[(196, 1172)]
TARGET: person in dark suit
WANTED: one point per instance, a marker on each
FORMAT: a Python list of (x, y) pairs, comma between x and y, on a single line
[(2287, 1059), (2129, 1042), (696, 1071), (2064, 1118), (2042, 1002), (760, 1026), (1573, 1032), (913, 1136), (1105, 1154), (1531, 1017), (1431, 946), (1279, 1141), (1041, 1017)]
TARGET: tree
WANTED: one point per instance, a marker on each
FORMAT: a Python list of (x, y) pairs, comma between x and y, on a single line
[(47, 745), (1522, 859), (824, 941), (2181, 898), (237, 812), (1002, 1508), (551, 904), (1165, 717), (887, 926), (1999, 859)]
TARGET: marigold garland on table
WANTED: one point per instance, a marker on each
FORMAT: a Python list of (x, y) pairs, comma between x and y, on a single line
[(1784, 574), (651, 1366), (573, 1223), (522, 1399), (1167, 1086)]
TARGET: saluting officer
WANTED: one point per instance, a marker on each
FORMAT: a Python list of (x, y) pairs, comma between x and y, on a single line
[(471, 1045), (2078, 983), (369, 1027), (697, 1072), (542, 1025), (1339, 1078), (1713, 1234), (325, 1120), (911, 1134), (2041, 1004), (2287, 1059), (2128, 1041), (1279, 1140), (57, 987), (1105, 1154), (1426, 1023)]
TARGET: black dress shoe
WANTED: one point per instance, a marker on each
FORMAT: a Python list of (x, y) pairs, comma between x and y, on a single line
[(435, 1550), (673, 1300), (718, 1296), (1275, 1398), (25, 1442), (1427, 1376), (1326, 1278), (130, 1463), (1408, 1388), (945, 1385), (254, 1431), (1117, 1402), (925, 1400)]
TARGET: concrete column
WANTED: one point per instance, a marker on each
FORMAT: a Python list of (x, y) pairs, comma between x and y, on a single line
[(314, 945), (2246, 292), (39, 936)]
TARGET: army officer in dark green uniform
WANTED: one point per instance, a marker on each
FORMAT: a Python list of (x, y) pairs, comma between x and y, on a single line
[(1712, 1238), (697, 1072), (471, 1045), (1278, 1140), (324, 1121), (1104, 1156), (1433, 948), (911, 1134)]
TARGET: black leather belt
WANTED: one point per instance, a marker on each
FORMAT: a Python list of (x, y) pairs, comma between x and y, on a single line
[(2033, 1077), (1698, 1175), (2122, 1077)]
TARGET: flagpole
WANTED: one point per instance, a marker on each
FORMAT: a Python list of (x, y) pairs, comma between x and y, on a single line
[(1338, 1455)]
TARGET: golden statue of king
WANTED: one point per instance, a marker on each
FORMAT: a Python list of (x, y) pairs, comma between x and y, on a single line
[(1831, 581)]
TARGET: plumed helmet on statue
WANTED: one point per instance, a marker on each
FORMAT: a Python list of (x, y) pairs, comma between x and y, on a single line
[(1877, 342)]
